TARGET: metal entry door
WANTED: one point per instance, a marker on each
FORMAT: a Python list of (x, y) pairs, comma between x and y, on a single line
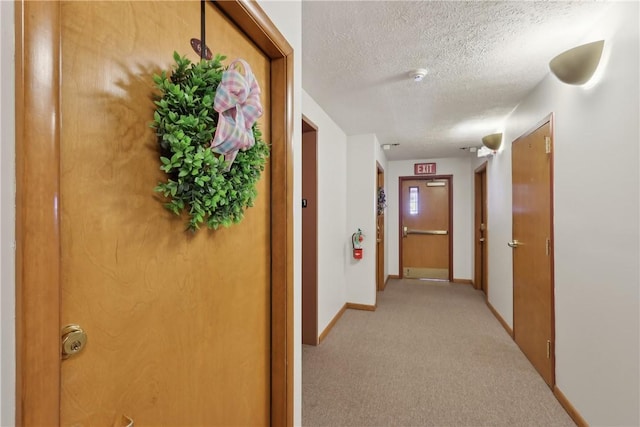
[(425, 229)]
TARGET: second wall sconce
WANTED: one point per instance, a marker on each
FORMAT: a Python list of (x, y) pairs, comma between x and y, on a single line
[(576, 66), (492, 141)]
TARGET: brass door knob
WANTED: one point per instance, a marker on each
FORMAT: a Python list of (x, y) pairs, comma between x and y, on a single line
[(74, 340)]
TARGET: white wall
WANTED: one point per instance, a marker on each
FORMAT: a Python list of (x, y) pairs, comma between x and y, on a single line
[(7, 215), (361, 213), (347, 195), (332, 212), (499, 207), (287, 16), (461, 169), (596, 225)]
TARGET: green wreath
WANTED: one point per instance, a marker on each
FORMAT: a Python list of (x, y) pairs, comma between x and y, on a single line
[(197, 180)]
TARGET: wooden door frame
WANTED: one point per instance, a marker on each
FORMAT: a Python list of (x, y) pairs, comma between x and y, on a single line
[(550, 118), (38, 286), (449, 178), (480, 265), (380, 278), (310, 127)]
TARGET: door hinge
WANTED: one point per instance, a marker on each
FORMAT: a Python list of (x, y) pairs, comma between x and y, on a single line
[(548, 246), (548, 349), (547, 144)]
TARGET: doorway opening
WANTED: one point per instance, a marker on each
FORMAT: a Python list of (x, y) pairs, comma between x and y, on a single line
[(309, 232), (532, 244), (380, 277), (426, 227), (481, 237)]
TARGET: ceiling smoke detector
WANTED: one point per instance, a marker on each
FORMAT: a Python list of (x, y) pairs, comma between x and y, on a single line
[(419, 74)]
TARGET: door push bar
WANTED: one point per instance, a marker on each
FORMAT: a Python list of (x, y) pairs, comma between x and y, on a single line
[(406, 231)]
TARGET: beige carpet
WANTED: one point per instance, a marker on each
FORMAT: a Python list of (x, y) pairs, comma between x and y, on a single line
[(432, 354)]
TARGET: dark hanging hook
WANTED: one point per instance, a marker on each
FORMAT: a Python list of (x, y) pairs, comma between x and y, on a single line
[(203, 29), (200, 46)]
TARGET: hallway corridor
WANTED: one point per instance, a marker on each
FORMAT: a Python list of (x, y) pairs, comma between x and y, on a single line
[(432, 354)]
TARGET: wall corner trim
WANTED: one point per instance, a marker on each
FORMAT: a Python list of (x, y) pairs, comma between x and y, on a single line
[(364, 307), (573, 413), (504, 324), (339, 314), (331, 324)]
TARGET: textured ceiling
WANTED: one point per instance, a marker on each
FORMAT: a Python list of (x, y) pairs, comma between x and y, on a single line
[(482, 57)]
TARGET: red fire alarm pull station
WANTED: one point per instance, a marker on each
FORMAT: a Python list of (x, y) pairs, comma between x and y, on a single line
[(356, 240)]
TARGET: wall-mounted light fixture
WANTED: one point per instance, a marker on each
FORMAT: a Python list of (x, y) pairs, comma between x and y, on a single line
[(470, 149), (484, 152), (492, 141), (576, 66)]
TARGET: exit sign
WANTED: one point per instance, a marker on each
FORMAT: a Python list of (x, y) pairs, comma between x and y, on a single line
[(424, 169)]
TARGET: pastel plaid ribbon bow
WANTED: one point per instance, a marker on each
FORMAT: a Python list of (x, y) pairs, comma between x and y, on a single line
[(238, 105)]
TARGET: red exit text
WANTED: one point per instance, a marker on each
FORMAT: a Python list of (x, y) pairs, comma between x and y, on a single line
[(424, 169)]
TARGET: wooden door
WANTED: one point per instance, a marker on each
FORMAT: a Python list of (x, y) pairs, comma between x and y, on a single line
[(309, 234), (481, 234), (533, 324), (425, 228), (380, 277), (183, 329)]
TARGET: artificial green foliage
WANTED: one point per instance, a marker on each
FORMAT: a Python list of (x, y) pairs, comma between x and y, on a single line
[(197, 181)]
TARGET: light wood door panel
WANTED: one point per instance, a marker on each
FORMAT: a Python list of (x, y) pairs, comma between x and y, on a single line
[(39, 256), (380, 235), (533, 257), (481, 234), (309, 236), (426, 256), (178, 325)]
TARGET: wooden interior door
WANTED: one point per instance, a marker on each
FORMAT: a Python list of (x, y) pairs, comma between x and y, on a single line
[(183, 329), (533, 324), (178, 324), (380, 276), (481, 234), (309, 234), (425, 228)]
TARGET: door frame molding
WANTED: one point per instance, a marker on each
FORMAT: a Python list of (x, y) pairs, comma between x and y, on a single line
[(38, 286), (401, 179)]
